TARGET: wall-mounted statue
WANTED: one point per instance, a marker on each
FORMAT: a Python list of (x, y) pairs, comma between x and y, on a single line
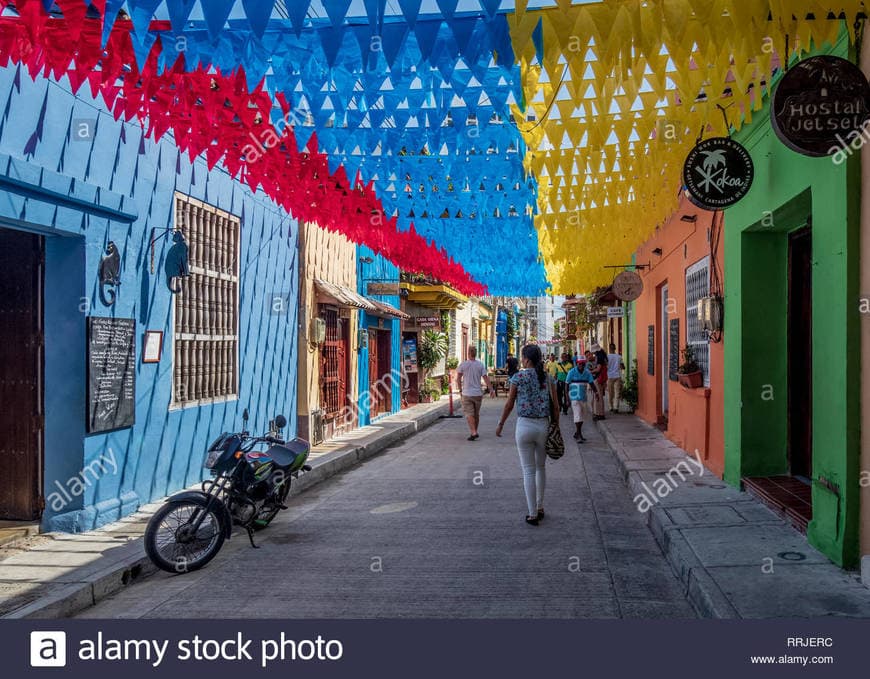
[(110, 273), (177, 261)]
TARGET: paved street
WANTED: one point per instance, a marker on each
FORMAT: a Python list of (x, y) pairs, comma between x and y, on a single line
[(410, 534)]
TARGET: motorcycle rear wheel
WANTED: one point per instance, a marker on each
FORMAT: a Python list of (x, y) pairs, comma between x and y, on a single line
[(173, 550)]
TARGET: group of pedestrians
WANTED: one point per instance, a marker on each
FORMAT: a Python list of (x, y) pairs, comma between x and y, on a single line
[(540, 389), (591, 381)]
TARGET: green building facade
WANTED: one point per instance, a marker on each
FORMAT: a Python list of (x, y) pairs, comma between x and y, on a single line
[(771, 354)]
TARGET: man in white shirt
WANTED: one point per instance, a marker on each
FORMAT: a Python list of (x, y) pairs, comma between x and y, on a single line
[(615, 366), (470, 373)]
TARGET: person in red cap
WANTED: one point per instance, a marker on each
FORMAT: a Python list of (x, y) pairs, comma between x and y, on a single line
[(577, 381)]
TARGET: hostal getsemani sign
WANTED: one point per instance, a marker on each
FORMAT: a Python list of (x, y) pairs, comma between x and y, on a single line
[(820, 107)]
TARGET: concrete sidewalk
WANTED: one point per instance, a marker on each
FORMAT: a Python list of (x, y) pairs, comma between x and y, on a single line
[(735, 557), (55, 575)]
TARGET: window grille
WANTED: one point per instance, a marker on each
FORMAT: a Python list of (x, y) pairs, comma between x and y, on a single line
[(206, 346), (697, 287)]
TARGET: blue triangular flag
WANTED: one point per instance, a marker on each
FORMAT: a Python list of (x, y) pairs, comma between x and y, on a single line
[(427, 33), (258, 13), (410, 10), (297, 11), (448, 8), (337, 10), (179, 11), (216, 13), (393, 37)]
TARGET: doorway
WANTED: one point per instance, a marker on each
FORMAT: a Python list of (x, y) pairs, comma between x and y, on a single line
[(800, 354), (380, 378), (664, 367), (22, 419)]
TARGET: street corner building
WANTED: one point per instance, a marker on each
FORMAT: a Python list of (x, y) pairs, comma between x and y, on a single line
[(146, 301), (685, 263)]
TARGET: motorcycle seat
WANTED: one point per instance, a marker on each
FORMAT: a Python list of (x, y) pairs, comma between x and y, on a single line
[(282, 456)]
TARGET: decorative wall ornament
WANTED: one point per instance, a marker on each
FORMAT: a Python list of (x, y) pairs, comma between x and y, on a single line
[(110, 274), (177, 264)]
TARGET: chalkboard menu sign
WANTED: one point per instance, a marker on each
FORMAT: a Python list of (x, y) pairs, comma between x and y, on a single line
[(651, 351), (674, 347), (111, 373)]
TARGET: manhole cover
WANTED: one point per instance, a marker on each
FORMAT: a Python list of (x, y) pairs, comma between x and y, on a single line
[(394, 508), (792, 556)]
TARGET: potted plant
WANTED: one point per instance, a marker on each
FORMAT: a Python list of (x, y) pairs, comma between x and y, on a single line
[(432, 348), (689, 372), (430, 391), (630, 392)]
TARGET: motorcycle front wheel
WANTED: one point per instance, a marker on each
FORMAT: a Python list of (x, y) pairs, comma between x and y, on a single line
[(171, 542)]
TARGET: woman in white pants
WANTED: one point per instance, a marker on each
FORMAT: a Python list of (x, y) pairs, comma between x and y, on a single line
[(534, 394)]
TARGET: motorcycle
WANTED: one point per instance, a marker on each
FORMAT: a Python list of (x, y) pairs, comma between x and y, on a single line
[(248, 489)]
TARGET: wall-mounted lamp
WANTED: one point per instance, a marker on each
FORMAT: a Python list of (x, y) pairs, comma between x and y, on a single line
[(689, 218), (657, 251), (366, 260)]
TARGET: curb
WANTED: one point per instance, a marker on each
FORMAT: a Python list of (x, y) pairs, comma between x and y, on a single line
[(135, 565), (701, 590)]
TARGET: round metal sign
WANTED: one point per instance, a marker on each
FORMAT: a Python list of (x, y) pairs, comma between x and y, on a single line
[(628, 286), (718, 173), (820, 106)]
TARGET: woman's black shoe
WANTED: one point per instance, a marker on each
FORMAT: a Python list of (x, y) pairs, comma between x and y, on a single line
[(533, 520)]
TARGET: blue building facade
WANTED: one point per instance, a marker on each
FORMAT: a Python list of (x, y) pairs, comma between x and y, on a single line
[(380, 356), (501, 339), (76, 179)]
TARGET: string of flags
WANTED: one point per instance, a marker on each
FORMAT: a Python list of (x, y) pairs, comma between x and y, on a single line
[(509, 150)]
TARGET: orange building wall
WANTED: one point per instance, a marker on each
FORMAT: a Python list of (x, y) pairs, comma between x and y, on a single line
[(696, 415)]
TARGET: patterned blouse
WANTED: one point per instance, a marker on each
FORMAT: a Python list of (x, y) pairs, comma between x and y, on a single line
[(532, 399)]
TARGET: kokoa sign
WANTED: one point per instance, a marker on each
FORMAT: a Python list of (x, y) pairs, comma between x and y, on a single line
[(820, 105), (718, 173)]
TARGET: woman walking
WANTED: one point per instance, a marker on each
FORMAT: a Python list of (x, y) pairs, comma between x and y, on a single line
[(534, 394)]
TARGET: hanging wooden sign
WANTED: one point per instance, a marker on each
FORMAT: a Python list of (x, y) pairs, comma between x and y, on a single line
[(718, 173), (821, 106), (628, 286)]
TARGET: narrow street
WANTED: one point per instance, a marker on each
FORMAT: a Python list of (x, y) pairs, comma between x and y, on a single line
[(434, 528)]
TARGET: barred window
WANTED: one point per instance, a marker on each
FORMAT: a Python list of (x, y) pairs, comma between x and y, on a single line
[(697, 287), (206, 346), (334, 368)]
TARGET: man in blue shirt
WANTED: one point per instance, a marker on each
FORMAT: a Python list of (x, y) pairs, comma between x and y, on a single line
[(578, 379)]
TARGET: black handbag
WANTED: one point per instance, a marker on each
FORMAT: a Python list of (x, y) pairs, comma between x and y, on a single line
[(555, 446)]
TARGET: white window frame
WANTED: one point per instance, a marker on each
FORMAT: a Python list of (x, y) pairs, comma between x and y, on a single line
[(702, 264), (230, 275)]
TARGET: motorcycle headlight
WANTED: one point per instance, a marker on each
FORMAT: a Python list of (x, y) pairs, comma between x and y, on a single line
[(212, 459)]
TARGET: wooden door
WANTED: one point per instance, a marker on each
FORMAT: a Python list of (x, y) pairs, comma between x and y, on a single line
[(374, 391), (21, 374), (385, 382), (464, 353), (800, 353)]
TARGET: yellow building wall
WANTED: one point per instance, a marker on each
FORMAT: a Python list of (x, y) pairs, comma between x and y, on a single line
[(330, 257)]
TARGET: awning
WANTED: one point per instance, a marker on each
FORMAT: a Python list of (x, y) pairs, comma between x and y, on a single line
[(343, 295), (435, 296), (384, 309)]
